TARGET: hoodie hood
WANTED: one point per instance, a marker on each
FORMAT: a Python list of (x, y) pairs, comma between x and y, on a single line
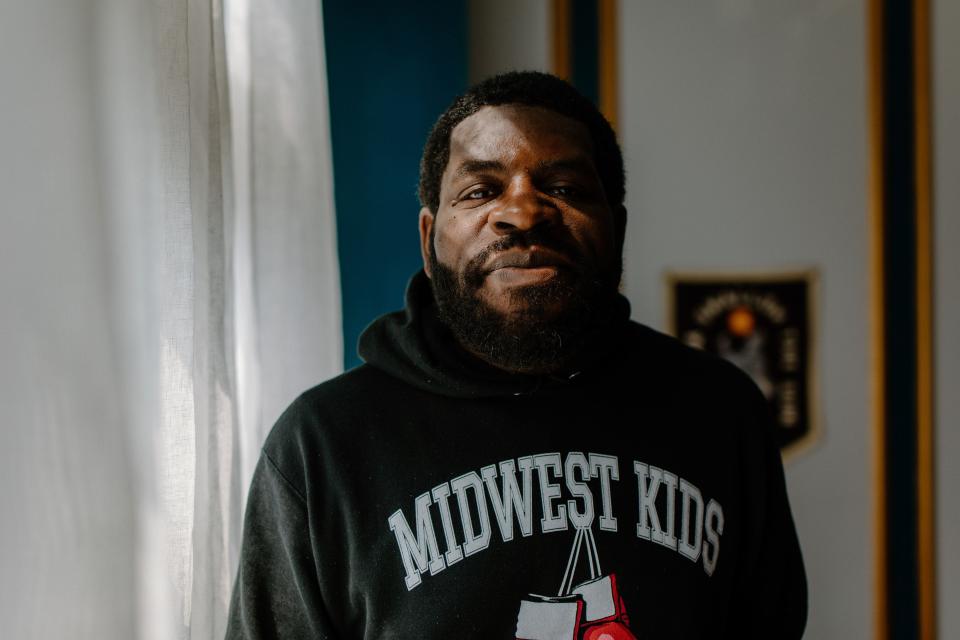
[(414, 345)]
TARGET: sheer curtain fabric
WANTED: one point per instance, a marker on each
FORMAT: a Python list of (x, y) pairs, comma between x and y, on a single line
[(169, 283)]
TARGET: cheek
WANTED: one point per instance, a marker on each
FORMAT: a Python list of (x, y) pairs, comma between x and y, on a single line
[(605, 232), (452, 241), (596, 236), (443, 246)]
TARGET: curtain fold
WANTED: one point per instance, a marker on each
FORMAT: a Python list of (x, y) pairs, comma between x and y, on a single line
[(170, 283), (291, 185)]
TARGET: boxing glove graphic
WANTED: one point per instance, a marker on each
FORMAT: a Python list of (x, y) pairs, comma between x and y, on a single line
[(591, 610), (609, 631)]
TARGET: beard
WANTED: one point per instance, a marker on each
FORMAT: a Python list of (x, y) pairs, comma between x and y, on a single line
[(553, 321)]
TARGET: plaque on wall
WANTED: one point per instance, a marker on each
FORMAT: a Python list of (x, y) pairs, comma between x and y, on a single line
[(763, 324)]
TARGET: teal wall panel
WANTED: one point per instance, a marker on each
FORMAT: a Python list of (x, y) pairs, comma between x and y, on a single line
[(392, 68)]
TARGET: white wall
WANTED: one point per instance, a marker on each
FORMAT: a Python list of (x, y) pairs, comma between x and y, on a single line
[(744, 128), (508, 35), (946, 103)]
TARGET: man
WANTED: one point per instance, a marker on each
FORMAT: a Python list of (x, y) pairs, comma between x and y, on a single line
[(516, 458)]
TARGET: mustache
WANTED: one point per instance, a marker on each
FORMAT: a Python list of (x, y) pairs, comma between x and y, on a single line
[(475, 271)]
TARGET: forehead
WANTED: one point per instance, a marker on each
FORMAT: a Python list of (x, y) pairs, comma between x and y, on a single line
[(506, 131)]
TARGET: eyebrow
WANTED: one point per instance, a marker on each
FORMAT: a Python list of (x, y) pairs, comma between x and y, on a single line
[(579, 164), (468, 167), (576, 163)]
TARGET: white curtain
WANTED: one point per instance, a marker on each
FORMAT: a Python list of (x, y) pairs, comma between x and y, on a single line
[(169, 283)]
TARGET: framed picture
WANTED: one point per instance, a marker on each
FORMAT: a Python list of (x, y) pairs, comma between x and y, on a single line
[(763, 323)]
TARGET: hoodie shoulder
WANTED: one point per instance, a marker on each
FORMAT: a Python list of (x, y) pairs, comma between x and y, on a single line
[(327, 417), (348, 396), (681, 367), (354, 385)]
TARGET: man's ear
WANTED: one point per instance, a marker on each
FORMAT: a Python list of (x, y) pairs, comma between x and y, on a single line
[(620, 226), (426, 228)]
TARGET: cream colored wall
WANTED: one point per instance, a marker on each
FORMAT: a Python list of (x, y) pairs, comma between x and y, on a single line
[(744, 128), (946, 223), (508, 35)]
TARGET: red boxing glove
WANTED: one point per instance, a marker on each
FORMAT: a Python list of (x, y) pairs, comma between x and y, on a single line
[(609, 631)]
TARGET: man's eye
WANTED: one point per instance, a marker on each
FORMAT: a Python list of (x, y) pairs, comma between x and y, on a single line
[(478, 194), (564, 191)]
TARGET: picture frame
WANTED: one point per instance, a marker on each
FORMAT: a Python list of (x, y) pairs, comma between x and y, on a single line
[(764, 322)]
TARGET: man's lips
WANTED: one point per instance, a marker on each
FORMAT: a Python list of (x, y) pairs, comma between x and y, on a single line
[(531, 266), (533, 258)]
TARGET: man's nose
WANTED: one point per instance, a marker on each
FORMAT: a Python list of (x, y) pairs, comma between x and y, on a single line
[(522, 207)]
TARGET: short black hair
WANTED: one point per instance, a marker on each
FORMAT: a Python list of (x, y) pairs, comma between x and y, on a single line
[(529, 88)]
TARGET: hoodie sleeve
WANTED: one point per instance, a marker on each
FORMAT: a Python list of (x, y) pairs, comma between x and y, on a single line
[(770, 600), (277, 592)]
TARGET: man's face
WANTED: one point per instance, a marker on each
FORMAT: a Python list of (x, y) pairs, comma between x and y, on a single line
[(522, 248)]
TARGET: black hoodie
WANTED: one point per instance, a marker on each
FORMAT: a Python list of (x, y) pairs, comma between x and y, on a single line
[(425, 494)]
